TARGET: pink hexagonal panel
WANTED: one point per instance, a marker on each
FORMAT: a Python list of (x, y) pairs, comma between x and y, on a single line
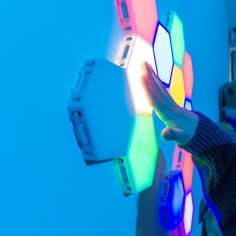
[(138, 17)]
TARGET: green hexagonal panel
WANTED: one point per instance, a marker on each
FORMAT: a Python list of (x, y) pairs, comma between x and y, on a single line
[(175, 26), (136, 169)]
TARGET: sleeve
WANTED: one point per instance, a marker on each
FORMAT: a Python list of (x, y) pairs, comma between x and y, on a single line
[(214, 155)]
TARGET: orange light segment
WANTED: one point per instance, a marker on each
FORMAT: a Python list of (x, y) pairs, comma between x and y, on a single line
[(188, 75)]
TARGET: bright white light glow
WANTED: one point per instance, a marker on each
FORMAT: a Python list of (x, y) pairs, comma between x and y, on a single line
[(139, 51), (188, 213), (188, 105)]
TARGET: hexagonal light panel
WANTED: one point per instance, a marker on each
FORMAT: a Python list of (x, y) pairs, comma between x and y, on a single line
[(172, 200), (136, 168), (175, 26), (138, 17), (133, 51), (101, 111), (163, 54), (188, 75), (183, 161), (177, 86)]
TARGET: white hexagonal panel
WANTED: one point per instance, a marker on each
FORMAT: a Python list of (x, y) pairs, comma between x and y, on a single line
[(163, 54)]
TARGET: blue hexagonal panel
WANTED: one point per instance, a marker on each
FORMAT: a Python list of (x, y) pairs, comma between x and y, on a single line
[(172, 200)]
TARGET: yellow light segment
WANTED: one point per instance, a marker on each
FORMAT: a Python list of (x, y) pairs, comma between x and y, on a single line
[(177, 86)]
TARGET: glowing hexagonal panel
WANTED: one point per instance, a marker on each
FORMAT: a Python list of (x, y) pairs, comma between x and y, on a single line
[(136, 169), (101, 131), (188, 213), (172, 200), (175, 26), (138, 17), (177, 86), (133, 51), (163, 54), (188, 75), (183, 161)]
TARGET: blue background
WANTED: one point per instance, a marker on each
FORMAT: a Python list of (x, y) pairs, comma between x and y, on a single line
[(45, 187)]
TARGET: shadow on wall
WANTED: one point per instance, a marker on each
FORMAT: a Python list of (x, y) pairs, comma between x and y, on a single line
[(148, 222)]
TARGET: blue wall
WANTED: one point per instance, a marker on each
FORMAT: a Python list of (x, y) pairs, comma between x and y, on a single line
[(230, 6), (45, 187)]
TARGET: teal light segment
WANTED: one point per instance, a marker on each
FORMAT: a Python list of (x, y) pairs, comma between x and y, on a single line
[(136, 169), (176, 29)]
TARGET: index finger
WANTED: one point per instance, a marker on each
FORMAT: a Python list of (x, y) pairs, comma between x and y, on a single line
[(156, 84)]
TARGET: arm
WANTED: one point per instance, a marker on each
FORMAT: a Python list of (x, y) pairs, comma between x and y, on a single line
[(214, 155), (213, 150)]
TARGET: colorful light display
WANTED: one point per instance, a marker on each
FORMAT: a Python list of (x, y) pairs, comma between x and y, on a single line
[(172, 200), (138, 17), (163, 54), (112, 118)]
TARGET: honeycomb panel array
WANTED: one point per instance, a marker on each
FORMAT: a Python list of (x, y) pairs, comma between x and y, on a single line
[(111, 116), (104, 133), (180, 86), (173, 63)]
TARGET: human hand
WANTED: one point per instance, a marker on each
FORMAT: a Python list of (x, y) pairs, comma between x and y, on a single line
[(180, 123)]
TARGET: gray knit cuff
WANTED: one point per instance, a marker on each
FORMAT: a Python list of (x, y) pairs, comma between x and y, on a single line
[(207, 138)]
